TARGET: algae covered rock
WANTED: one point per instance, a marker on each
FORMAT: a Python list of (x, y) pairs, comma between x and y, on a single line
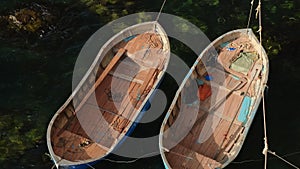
[(32, 19), (25, 19)]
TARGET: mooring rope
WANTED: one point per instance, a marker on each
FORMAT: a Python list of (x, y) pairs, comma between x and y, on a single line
[(259, 160), (126, 162), (266, 148), (90, 166), (284, 160), (250, 14), (161, 8), (132, 161)]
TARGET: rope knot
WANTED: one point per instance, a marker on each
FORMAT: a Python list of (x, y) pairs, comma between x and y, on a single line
[(266, 149), (260, 29), (258, 9)]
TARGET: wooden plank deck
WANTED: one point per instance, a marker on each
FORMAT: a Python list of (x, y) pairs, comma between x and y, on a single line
[(183, 158), (189, 153), (220, 136), (68, 147), (107, 110)]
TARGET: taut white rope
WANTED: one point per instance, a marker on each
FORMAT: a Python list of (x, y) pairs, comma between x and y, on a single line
[(250, 14), (161, 8)]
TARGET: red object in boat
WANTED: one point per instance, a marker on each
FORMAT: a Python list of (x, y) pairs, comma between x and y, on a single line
[(204, 92)]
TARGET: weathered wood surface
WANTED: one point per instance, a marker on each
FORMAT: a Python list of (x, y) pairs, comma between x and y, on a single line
[(227, 130)]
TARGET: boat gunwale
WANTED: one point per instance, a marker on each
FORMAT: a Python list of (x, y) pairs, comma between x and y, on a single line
[(153, 26), (264, 80), (253, 112)]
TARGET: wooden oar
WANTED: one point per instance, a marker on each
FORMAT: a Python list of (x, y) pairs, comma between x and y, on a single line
[(235, 115), (108, 68), (221, 101), (151, 74), (217, 105)]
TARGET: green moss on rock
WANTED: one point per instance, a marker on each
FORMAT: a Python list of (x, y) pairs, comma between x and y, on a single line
[(25, 19)]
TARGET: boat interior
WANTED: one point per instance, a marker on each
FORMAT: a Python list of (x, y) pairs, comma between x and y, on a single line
[(90, 129), (228, 86)]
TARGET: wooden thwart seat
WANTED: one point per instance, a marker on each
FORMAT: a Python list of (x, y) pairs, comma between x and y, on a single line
[(109, 67), (127, 70)]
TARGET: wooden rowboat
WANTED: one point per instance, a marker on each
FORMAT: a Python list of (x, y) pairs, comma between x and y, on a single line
[(209, 131), (112, 95)]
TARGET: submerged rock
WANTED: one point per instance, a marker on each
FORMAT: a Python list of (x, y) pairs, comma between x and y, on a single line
[(25, 19), (32, 19)]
